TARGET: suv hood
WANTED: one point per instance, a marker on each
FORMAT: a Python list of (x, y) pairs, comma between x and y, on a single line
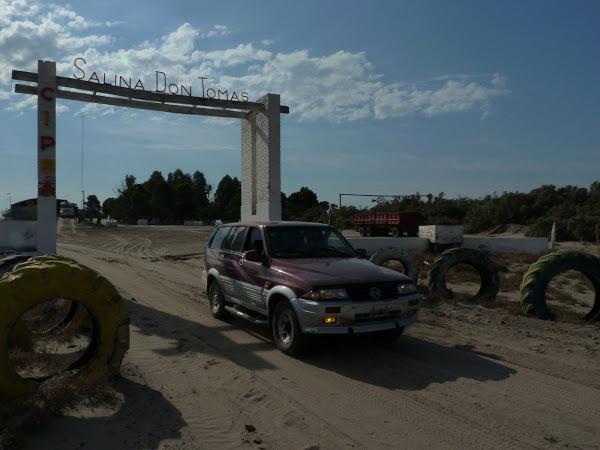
[(307, 274)]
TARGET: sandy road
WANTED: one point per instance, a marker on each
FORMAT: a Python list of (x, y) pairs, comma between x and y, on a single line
[(464, 377)]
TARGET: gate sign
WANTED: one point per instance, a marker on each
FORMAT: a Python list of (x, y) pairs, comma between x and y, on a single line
[(159, 82)]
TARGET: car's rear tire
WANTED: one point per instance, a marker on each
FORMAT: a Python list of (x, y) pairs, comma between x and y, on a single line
[(216, 301), (287, 334)]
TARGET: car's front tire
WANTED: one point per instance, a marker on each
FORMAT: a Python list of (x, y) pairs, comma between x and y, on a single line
[(216, 301), (287, 334)]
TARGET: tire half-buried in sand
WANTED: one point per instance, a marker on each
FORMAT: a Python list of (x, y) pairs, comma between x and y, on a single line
[(39, 280), (490, 281), (390, 254), (540, 273)]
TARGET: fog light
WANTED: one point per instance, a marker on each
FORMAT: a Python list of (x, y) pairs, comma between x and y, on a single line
[(329, 320)]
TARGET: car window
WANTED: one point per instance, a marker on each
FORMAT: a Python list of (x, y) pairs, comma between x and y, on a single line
[(218, 237), (254, 240), (226, 245), (307, 242), (237, 239)]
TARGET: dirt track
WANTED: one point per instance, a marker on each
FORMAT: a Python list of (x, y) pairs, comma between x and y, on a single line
[(465, 377)]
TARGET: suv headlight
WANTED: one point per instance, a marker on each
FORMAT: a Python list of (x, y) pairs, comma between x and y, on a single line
[(327, 294), (406, 288)]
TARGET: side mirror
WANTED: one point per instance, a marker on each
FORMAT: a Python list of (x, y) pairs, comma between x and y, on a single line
[(254, 256), (361, 252)]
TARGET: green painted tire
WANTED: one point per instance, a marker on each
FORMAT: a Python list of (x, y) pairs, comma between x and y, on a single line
[(490, 281), (540, 273)]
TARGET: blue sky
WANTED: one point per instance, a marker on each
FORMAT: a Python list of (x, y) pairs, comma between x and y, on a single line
[(396, 97)]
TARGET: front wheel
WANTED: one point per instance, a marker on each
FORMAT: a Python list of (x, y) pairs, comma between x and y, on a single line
[(287, 334), (216, 301)]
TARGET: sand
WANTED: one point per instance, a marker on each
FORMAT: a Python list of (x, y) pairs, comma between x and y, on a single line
[(466, 376)]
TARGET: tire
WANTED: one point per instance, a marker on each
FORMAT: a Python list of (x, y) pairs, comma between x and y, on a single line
[(368, 232), (287, 334), (7, 263), (27, 286), (395, 232), (216, 301), (361, 231), (490, 281), (407, 260), (75, 319), (541, 272)]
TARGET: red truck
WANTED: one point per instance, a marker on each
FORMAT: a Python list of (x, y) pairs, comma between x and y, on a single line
[(405, 223)]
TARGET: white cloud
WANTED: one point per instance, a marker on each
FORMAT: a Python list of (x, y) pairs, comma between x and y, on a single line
[(179, 43), (216, 31), (452, 96), (342, 86)]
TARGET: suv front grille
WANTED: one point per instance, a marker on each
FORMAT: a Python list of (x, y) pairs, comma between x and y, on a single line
[(363, 291)]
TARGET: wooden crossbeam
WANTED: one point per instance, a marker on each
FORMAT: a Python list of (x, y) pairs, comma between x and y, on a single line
[(138, 94), (117, 101)]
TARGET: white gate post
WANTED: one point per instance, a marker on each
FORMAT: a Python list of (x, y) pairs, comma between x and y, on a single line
[(46, 205), (261, 162)]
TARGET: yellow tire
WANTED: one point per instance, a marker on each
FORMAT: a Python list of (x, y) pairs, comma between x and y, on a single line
[(33, 283), (75, 319)]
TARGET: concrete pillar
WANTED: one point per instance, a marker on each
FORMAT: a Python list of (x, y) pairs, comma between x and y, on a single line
[(46, 206), (261, 162)]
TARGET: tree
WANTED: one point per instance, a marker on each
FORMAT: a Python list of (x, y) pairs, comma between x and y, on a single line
[(228, 199), (182, 195), (201, 190), (93, 209), (298, 204), (159, 198), (109, 208)]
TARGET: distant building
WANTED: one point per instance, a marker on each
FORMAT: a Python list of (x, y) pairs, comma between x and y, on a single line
[(27, 209)]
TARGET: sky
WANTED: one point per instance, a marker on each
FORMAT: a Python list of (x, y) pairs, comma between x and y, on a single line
[(386, 97)]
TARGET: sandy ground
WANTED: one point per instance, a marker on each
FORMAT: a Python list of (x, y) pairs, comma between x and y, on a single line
[(466, 376)]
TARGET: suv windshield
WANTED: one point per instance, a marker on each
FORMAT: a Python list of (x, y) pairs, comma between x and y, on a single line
[(307, 242)]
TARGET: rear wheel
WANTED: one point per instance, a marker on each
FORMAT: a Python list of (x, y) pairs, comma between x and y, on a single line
[(368, 231), (287, 334), (216, 301)]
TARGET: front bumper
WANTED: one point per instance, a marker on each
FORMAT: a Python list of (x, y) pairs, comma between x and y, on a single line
[(357, 316)]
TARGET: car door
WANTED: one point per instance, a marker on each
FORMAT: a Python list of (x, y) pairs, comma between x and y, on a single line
[(253, 275), (226, 273), (214, 256), (232, 252)]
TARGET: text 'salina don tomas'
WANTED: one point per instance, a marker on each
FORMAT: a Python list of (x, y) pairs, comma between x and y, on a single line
[(159, 83)]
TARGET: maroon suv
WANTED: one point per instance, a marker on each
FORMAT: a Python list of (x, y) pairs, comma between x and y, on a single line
[(303, 279)]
